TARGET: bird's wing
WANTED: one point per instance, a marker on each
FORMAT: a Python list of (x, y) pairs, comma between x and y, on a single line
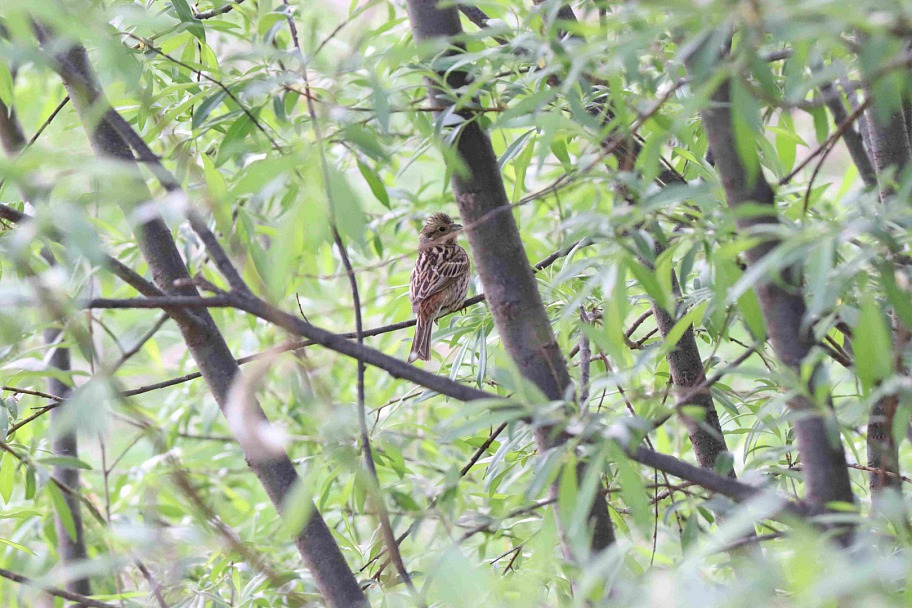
[(435, 270)]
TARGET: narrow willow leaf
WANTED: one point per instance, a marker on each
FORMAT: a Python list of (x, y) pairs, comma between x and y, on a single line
[(375, 183), (873, 347), (63, 510), (7, 476), (182, 8), (16, 546)]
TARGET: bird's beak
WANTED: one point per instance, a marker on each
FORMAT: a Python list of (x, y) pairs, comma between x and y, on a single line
[(457, 227)]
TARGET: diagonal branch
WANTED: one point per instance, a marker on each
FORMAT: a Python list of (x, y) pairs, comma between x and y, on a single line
[(81, 600), (782, 303), (111, 139)]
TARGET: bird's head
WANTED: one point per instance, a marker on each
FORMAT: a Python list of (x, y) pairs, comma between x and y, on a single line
[(439, 229)]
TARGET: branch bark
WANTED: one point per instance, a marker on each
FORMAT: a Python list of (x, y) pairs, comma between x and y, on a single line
[(826, 475), (71, 549), (500, 258), (684, 362), (687, 374), (204, 341), (852, 138), (64, 442), (62, 593), (892, 153)]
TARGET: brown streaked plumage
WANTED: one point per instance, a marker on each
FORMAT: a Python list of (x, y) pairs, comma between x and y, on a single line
[(439, 281)]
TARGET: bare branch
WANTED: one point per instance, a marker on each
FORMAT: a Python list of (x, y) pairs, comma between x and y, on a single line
[(67, 595), (215, 12), (375, 489)]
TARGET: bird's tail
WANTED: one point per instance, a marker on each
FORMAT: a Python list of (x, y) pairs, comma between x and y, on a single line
[(421, 343)]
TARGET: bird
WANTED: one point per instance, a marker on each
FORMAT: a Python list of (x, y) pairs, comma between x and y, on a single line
[(439, 281)]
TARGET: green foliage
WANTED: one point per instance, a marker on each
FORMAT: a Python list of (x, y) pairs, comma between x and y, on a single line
[(225, 104)]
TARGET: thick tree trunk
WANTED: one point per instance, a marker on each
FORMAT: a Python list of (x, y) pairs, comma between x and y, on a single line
[(500, 258), (206, 344), (825, 472)]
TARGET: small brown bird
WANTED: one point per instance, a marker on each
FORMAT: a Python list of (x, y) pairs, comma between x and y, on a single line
[(439, 281)]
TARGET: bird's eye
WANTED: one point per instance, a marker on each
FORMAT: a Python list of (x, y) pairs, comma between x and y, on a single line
[(442, 229)]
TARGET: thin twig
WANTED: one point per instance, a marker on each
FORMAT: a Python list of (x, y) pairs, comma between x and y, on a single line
[(482, 449), (62, 593), (585, 357), (218, 254), (377, 331), (128, 354), (835, 135), (215, 12), (146, 45), (379, 501)]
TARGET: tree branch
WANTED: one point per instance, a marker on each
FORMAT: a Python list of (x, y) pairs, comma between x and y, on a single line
[(826, 477), (215, 12), (81, 600), (500, 259), (205, 343)]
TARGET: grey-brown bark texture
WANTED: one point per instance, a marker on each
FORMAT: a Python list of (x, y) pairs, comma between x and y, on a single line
[(500, 258), (63, 440), (852, 137), (892, 154), (315, 542), (825, 472), (891, 147), (684, 361), (686, 368), (64, 443)]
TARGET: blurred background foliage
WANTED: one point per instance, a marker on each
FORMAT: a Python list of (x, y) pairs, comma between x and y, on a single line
[(222, 101)]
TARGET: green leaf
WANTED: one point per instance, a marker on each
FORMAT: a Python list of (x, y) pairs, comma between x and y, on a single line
[(261, 173), (651, 284), (63, 510), (873, 347), (744, 114), (233, 142), (7, 476), (693, 316), (65, 461), (520, 167), (633, 491), (559, 149), (749, 306), (546, 470), (6, 84), (901, 300), (787, 142), (20, 514), (204, 109), (375, 183), (566, 492), (186, 16), (514, 148), (218, 192), (16, 546), (821, 124), (349, 216), (367, 141)]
